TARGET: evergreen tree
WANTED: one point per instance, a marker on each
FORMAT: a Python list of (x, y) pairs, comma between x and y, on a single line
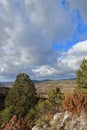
[(55, 97), (81, 78), (21, 96)]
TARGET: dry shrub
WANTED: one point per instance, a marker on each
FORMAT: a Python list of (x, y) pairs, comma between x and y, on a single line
[(15, 124), (75, 102)]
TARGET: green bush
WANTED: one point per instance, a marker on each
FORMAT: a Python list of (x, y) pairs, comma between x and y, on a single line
[(44, 120), (43, 107), (55, 98), (32, 115), (5, 116)]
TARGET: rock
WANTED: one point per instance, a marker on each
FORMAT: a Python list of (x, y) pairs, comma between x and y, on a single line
[(64, 121), (56, 121), (38, 128), (45, 126), (53, 122), (35, 128), (83, 117), (67, 116), (57, 116), (79, 122)]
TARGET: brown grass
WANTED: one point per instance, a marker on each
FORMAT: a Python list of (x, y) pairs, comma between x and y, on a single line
[(66, 86)]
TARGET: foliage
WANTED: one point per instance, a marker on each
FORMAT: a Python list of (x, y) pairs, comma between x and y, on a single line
[(39, 112), (15, 124), (75, 102), (44, 120), (43, 107), (81, 78), (55, 98), (21, 96), (47, 108), (2, 104), (4, 116), (32, 115)]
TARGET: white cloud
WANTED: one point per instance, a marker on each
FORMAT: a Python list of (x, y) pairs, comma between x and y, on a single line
[(67, 65), (44, 71), (78, 48), (27, 30), (71, 60)]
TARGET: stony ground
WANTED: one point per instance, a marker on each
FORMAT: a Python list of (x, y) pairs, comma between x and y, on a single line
[(65, 121)]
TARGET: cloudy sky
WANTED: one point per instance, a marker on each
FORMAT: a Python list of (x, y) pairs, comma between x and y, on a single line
[(46, 39)]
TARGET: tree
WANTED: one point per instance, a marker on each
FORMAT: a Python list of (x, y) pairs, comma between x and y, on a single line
[(2, 100), (55, 97), (81, 78), (21, 96)]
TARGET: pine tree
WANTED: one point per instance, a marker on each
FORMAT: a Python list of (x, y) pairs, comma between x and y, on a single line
[(21, 96), (55, 97), (81, 78)]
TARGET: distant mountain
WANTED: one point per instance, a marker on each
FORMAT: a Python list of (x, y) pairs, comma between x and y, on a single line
[(39, 81), (68, 79), (6, 84), (1, 85), (9, 84)]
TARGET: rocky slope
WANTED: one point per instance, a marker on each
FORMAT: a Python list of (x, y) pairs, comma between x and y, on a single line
[(66, 121)]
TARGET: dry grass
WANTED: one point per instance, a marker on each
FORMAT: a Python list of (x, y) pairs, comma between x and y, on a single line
[(66, 86)]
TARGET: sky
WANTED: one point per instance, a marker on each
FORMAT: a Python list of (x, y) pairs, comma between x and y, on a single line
[(46, 39)]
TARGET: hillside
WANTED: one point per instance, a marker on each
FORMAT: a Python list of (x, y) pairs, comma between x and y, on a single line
[(43, 87), (66, 86)]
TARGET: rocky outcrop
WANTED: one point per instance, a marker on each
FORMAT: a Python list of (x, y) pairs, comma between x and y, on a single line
[(66, 121), (60, 121)]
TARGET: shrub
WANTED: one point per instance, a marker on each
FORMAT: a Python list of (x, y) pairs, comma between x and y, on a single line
[(5, 116), (75, 102), (43, 107), (15, 124), (32, 115), (55, 98), (43, 121)]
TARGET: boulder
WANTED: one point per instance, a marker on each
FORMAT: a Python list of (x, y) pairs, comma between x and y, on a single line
[(57, 116), (65, 121), (67, 116), (37, 128)]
